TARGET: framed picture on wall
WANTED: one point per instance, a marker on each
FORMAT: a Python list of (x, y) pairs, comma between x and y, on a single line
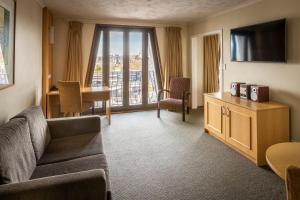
[(7, 43)]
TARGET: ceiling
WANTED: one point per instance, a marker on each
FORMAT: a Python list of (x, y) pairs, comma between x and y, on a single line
[(166, 11)]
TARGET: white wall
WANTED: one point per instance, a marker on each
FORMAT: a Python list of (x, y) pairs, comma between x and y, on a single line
[(28, 61), (283, 79), (61, 33), (197, 71)]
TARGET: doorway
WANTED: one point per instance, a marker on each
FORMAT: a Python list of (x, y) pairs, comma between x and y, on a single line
[(197, 51)]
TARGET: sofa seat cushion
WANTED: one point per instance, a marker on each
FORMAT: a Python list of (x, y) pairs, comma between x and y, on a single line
[(39, 131), (67, 148), (76, 165), (17, 158)]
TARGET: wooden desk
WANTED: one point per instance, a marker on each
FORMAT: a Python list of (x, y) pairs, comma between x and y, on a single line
[(280, 156), (88, 94)]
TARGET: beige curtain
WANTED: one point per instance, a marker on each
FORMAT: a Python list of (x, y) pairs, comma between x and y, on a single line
[(173, 62), (211, 63), (74, 70)]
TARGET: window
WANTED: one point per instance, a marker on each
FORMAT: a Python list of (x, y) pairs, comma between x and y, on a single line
[(126, 59), (135, 68)]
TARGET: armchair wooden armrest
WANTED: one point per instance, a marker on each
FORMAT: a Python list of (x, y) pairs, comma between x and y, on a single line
[(160, 93)]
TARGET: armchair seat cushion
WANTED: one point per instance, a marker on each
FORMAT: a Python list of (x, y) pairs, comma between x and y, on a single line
[(76, 165), (67, 148), (171, 104)]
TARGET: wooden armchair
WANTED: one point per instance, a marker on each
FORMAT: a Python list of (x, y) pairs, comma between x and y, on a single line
[(178, 99), (292, 182)]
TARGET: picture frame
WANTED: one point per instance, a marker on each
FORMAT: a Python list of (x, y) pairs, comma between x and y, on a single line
[(7, 43)]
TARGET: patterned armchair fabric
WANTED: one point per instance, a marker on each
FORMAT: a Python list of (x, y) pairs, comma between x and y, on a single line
[(178, 99), (178, 86)]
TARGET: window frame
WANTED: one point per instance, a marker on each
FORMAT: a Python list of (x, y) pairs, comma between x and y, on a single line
[(147, 33)]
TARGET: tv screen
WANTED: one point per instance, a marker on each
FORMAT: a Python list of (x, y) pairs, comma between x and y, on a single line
[(262, 42)]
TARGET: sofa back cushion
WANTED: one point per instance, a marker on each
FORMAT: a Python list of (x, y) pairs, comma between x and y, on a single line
[(17, 159), (39, 131)]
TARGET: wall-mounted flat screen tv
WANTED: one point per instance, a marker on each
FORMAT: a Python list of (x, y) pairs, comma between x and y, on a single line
[(264, 42)]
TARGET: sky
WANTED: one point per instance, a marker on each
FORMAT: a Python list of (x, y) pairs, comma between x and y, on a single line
[(116, 43)]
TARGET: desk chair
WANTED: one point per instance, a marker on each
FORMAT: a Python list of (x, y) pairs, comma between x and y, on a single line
[(178, 97), (71, 99)]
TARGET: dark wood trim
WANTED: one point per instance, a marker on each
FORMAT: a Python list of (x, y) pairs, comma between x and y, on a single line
[(126, 69), (134, 110), (145, 68), (14, 45), (157, 59), (106, 57), (122, 27), (134, 107), (93, 57), (116, 110)]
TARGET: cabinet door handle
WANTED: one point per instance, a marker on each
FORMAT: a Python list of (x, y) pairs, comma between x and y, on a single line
[(227, 112), (223, 110)]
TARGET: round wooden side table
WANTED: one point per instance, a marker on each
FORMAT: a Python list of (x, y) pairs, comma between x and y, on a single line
[(282, 155)]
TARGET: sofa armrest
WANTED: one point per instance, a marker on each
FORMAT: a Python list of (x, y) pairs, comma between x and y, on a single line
[(64, 127), (89, 184)]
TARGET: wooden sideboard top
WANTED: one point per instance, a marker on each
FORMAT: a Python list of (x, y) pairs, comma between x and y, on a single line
[(226, 97)]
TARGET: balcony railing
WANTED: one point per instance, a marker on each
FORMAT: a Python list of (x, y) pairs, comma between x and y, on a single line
[(135, 87)]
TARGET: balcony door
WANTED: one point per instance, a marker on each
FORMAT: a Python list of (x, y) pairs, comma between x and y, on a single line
[(127, 62)]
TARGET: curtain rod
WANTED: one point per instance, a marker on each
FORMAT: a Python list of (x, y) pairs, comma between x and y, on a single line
[(121, 22)]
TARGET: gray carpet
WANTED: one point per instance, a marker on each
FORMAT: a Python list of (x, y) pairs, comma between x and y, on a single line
[(167, 159)]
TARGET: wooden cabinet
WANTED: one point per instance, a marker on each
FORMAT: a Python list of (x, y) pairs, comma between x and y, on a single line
[(246, 126)]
